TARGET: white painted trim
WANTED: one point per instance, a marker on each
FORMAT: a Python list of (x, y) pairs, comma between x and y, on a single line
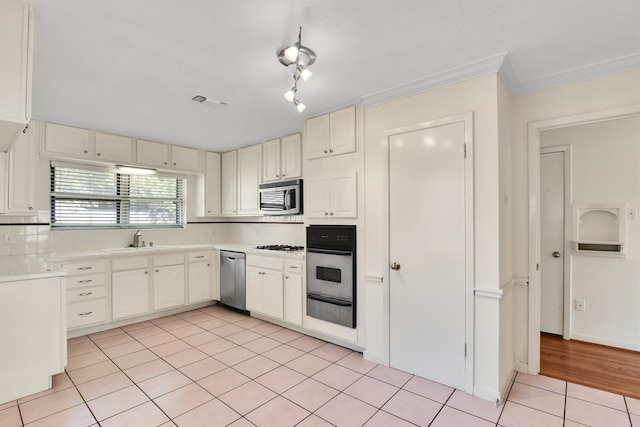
[(468, 71), (521, 367), (506, 386), (520, 281), (374, 357), (486, 393), (534, 129), (509, 76), (574, 75), (374, 278), (467, 119), (604, 341), (488, 293)]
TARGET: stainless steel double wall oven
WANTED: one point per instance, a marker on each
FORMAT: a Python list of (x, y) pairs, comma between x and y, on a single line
[(331, 273)]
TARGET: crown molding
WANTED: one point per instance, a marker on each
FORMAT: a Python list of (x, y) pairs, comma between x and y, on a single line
[(468, 71)]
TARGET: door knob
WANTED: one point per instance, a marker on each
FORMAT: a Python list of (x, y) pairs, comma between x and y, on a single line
[(556, 254), (395, 266)]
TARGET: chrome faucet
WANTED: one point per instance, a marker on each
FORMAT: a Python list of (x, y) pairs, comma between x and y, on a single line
[(136, 239)]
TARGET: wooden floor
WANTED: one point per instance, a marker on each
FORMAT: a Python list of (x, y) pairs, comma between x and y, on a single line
[(605, 368)]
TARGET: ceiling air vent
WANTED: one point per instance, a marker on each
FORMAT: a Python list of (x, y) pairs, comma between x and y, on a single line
[(203, 99)]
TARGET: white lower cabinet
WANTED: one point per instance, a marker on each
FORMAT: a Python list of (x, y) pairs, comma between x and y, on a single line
[(264, 282), (86, 293), (168, 286), (130, 293), (293, 292), (199, 277)]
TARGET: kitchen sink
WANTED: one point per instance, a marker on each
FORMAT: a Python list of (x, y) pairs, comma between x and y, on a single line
[(138, 249)]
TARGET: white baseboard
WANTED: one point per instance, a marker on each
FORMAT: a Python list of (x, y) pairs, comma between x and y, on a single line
[(374, 357), (486, 393), (521, 367), (606, 341)]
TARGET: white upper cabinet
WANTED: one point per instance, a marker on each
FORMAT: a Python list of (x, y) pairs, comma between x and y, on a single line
[(281, 158), (229, 180), (22, 161), (16, 48), (332, 196), (113, 148), (68, 141), (153, 153), (212, 185), (331, 134), (184, 158), (249, 173)]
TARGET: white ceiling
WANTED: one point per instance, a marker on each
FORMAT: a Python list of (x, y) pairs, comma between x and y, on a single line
[(132, 66)]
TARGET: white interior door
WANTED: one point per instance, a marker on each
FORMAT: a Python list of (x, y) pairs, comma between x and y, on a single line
[(552, 242), (427, 240)]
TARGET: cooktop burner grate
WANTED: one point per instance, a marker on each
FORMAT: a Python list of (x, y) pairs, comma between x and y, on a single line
[(281, 248)]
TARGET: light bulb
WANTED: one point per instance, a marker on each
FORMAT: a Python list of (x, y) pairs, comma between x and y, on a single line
[(291, 53), (290, 95), (300, 106), (305, 73)]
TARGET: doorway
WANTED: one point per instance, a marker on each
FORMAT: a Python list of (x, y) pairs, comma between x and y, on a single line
[(429, 238)]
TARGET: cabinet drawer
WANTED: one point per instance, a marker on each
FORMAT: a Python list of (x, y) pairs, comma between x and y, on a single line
[(85, 267), (199, 256), (293, 266), (168, 259), (85, 293), (264, 262), (85, 280), (86, 313), (129, 263)]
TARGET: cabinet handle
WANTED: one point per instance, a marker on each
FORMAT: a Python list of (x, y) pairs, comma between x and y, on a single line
[(292, 266), (174, 164), (277, 176), (199, 256), (86, 313), (284, 174), (208, 265), (331, 150), (286, 277), (326, 213), (98, 154), (85, 281), (85, 294), (146, 272), (325, 151), (157, 271), (84, 268), (30, 208), (330, 213), (85, 152), (165, 163)]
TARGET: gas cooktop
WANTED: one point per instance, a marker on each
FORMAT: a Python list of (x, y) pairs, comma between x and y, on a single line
[(281, 248)]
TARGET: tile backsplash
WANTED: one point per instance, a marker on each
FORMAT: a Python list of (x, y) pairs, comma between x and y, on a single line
[(29, 239)]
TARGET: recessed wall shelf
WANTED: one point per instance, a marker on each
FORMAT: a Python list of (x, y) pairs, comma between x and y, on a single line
[(599, 229)]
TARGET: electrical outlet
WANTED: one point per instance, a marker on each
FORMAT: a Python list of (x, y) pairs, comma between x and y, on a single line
[(581, 305)]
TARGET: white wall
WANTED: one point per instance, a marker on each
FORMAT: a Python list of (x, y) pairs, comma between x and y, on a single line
[(605, 168), (594, 95), (479, 96)]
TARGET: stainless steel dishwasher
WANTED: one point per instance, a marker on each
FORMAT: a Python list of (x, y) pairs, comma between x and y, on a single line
[(232, 279)]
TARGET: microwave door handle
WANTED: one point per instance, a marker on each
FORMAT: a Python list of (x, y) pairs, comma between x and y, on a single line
[(287, 199)]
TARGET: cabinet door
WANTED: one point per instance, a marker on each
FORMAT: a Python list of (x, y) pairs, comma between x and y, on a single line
[(229, 182), (16, 48), (249, 173), (343, 131), (291, 165), (212, 185), (316, 137), (273, 295), (293, 298), (113, 148), (271, 160), (255, 301), (22, 160), (152, 153), (199, 281), (68, 141), (344, 199), (184, 158), (316, 197), (130, 293), (168, 287)]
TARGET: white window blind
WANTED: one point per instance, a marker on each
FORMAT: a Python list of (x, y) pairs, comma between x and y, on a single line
[(99, 197)]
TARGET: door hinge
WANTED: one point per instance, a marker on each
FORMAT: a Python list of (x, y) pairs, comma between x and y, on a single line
[(465, 349), (464, 150), (537, 267)]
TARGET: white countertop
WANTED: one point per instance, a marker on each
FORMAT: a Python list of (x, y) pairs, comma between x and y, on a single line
[(26, 267)]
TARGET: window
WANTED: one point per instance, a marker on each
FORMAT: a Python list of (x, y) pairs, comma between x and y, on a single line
[(84, 196)]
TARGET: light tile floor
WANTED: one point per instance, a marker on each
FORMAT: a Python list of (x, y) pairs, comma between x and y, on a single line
[(215, 367)]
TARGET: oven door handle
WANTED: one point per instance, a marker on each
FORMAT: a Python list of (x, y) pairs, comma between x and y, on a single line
[(329, 300), (329, 251)]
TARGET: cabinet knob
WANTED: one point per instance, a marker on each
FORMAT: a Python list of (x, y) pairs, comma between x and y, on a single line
[(98, 154), (146, 272), (208, 265), (284, 174), (30, 208), (174, 164), (286, 277), (157, 271), (326, 213), (325, 151), (277, 176), (165, 163), (85, 152), (331, 150), (330, 213)]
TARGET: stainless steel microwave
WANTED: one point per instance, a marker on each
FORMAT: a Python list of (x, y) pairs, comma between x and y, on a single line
[(281, 198)]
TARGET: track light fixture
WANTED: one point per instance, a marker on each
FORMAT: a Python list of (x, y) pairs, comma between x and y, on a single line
[(301, 57)]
